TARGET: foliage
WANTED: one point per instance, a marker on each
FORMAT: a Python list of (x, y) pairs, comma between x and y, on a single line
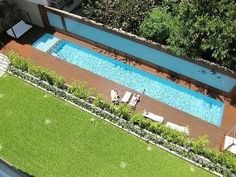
[(120, 14), (189, 28), (211, 29), (79, 90), (195, 29), (198, 146), (157, 25), (170, 5), (101, 102), (19, 62), (227, 159), (92, 92), (123, 110), (28, 66), (137, 118)]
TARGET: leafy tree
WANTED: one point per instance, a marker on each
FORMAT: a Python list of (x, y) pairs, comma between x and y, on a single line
[(158, 25), (195, 29), (119, 13), (208, 29), (170, 5)]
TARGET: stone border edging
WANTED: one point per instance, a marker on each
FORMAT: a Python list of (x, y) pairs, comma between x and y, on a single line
[(119, 122)]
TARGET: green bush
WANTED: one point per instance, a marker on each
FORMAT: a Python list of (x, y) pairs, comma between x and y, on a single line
[(26, 65), (174, 136), (170, 134), (124, 111), (34, 70), (227, 159), (102, 103), (79, 90), (144, 123), (199, 145), (160, 129), (120, 13), (92, 92), (136, 118), (154, 127), (17, 61), (157, 25)]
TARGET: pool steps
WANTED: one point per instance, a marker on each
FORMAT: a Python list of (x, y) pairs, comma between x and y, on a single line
[(51, 49)]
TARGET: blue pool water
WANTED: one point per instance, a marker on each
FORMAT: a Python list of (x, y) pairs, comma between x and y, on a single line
[(45, 42), (163, 90)]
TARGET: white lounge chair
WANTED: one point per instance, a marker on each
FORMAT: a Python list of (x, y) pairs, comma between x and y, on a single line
[(114, 96), (126, 97), (230, 144), (153, 116), (134, 100), (178, 127), (19, 29)]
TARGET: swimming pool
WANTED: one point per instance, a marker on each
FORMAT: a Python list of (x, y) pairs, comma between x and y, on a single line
[(45, 42), (168, 92)]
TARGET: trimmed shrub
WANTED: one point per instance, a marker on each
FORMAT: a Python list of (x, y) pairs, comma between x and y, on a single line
[(79, 90), (124, 111), (92, 92), (102, 103), (226, 159), (199, 145), (137, 119), (17, 61), (26, 65)]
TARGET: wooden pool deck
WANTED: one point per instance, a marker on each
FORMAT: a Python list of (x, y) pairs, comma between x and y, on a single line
[(71, 73)]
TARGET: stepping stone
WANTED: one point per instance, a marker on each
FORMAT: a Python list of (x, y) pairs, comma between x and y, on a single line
[(2, 73), (192, 169), (122, 165), (48, 121), (4, 63), (149, 148)]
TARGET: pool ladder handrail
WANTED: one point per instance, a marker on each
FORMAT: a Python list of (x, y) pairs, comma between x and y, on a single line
[(52, 48), (57, 53)]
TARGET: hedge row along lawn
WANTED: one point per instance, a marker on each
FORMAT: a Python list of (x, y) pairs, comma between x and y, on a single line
[(45, 136)]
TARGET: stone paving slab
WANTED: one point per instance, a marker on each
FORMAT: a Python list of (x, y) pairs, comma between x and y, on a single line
[(4, 63)]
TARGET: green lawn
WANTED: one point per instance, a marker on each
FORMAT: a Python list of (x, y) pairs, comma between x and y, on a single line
[(47, 137)]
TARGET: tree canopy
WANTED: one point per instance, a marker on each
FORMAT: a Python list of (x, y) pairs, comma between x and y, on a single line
[(196, 28), (157, 25), (125, 14)]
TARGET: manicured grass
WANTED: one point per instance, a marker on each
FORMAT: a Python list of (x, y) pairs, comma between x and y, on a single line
[(47, 137)]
